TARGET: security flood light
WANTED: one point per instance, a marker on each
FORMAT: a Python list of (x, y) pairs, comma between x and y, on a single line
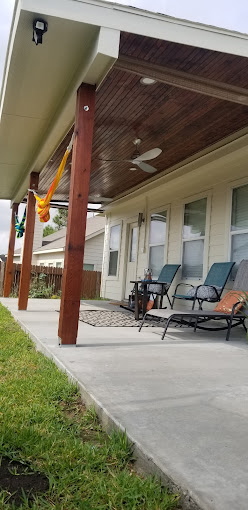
[(39, 28)]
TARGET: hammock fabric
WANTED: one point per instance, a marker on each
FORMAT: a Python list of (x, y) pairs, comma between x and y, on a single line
[(19, 227), (43, 204)]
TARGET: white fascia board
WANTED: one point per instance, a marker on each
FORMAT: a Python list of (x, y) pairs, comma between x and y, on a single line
[(13, 28), (138, 21), (101, 56), (94, 234), (41, 252)]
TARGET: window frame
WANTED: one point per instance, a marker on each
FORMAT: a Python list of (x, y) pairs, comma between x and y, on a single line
[(154, 210), (114, 224), (208, 196), (87, 264), (238, 184)]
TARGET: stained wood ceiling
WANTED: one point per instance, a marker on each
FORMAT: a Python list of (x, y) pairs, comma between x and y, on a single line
[(180, 122)]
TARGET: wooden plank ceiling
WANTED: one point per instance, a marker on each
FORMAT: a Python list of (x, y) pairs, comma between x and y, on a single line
[(178, 121)]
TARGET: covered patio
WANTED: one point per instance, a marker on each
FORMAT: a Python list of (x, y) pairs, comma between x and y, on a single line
[(89, 76), (183, 402)]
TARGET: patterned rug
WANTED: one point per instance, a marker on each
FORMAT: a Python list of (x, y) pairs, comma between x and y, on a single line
[(106, 319)]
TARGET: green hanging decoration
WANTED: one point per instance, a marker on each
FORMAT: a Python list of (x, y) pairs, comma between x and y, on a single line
[(19, 227)]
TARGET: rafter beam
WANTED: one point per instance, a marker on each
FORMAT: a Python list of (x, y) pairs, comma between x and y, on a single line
[(183, 80)]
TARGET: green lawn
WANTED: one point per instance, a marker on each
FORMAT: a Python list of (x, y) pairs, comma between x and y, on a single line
[(43, 423)]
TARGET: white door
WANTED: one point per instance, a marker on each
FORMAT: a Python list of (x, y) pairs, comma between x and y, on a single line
[(131, 257)]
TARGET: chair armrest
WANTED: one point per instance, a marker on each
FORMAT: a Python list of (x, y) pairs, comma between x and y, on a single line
[(161, 283), (185, 284), (233, 309)]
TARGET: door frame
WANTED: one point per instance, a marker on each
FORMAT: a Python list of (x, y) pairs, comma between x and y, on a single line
[(127, 251)]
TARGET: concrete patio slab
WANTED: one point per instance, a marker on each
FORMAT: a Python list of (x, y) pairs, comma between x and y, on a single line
[(184, 401)]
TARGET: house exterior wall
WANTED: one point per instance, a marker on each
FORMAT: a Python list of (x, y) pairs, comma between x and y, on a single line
[(93, 251), (45, 259), (213, 176), (17, 259), (92, 254)]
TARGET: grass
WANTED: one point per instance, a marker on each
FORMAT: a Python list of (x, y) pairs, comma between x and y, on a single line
[(43, 423)]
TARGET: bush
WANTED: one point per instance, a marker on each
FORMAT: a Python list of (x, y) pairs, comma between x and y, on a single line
[(39, 287)]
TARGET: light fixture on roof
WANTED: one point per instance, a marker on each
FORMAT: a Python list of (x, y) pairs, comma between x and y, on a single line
[(39, 28), (147, 81)]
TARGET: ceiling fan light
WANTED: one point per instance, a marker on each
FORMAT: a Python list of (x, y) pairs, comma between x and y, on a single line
[(133, 168), (147, 81)]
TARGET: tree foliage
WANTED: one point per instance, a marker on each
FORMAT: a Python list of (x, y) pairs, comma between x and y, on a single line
[(47, 230), (60, 219)]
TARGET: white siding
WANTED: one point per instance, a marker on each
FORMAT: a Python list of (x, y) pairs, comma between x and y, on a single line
[(48, 258), (38, 233), (93, 251), (213, 178), (92, 254)]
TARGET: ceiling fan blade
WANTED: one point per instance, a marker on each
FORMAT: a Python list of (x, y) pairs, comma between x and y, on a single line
[(144, 166), (153, 153)]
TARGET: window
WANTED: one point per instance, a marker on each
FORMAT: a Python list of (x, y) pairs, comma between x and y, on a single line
[(58, 264), (239, 226), (157, 242), (193, 238), (114, 246), (50, 264), (88, 267), (133, 246)]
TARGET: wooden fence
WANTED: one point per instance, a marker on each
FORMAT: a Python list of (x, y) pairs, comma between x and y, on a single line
[(91, 281)]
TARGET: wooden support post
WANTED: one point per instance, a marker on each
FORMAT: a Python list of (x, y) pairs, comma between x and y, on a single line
[(10, 258), (28, 244), (77, 215)]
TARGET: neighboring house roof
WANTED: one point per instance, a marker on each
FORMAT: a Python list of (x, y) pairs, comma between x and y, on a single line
[(56, 241)]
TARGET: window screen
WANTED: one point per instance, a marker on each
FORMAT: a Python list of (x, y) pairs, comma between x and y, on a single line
[(157, 242), (114, 244), (193, 238)]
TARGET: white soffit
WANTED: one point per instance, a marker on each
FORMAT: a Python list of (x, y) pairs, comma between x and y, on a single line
[(38, 105)]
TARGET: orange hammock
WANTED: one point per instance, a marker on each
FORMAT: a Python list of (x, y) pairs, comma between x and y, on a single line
[(43, 204)]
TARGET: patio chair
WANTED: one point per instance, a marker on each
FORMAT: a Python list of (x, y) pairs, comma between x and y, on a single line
[(204, 316), (211, 289), (162, 284)]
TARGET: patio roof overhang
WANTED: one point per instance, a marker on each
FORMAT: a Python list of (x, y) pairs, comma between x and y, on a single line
[(199, 98)]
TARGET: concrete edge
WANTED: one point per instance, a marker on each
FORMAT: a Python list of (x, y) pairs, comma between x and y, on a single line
[(144, 463)]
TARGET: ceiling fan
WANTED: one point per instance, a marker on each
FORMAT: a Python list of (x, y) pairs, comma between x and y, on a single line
[(139, 159)]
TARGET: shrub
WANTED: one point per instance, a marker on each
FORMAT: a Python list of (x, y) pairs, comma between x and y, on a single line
[(39, 287)]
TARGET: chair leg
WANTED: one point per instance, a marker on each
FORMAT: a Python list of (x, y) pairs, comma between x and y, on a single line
[(229, 322), (166, 327), (196, 322), (193, 304), (173, 300), (142, 323), (244, 326), (168, 297), (161, 301)]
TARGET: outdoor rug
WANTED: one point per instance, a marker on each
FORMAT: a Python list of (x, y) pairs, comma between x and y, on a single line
[(108, 319)]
